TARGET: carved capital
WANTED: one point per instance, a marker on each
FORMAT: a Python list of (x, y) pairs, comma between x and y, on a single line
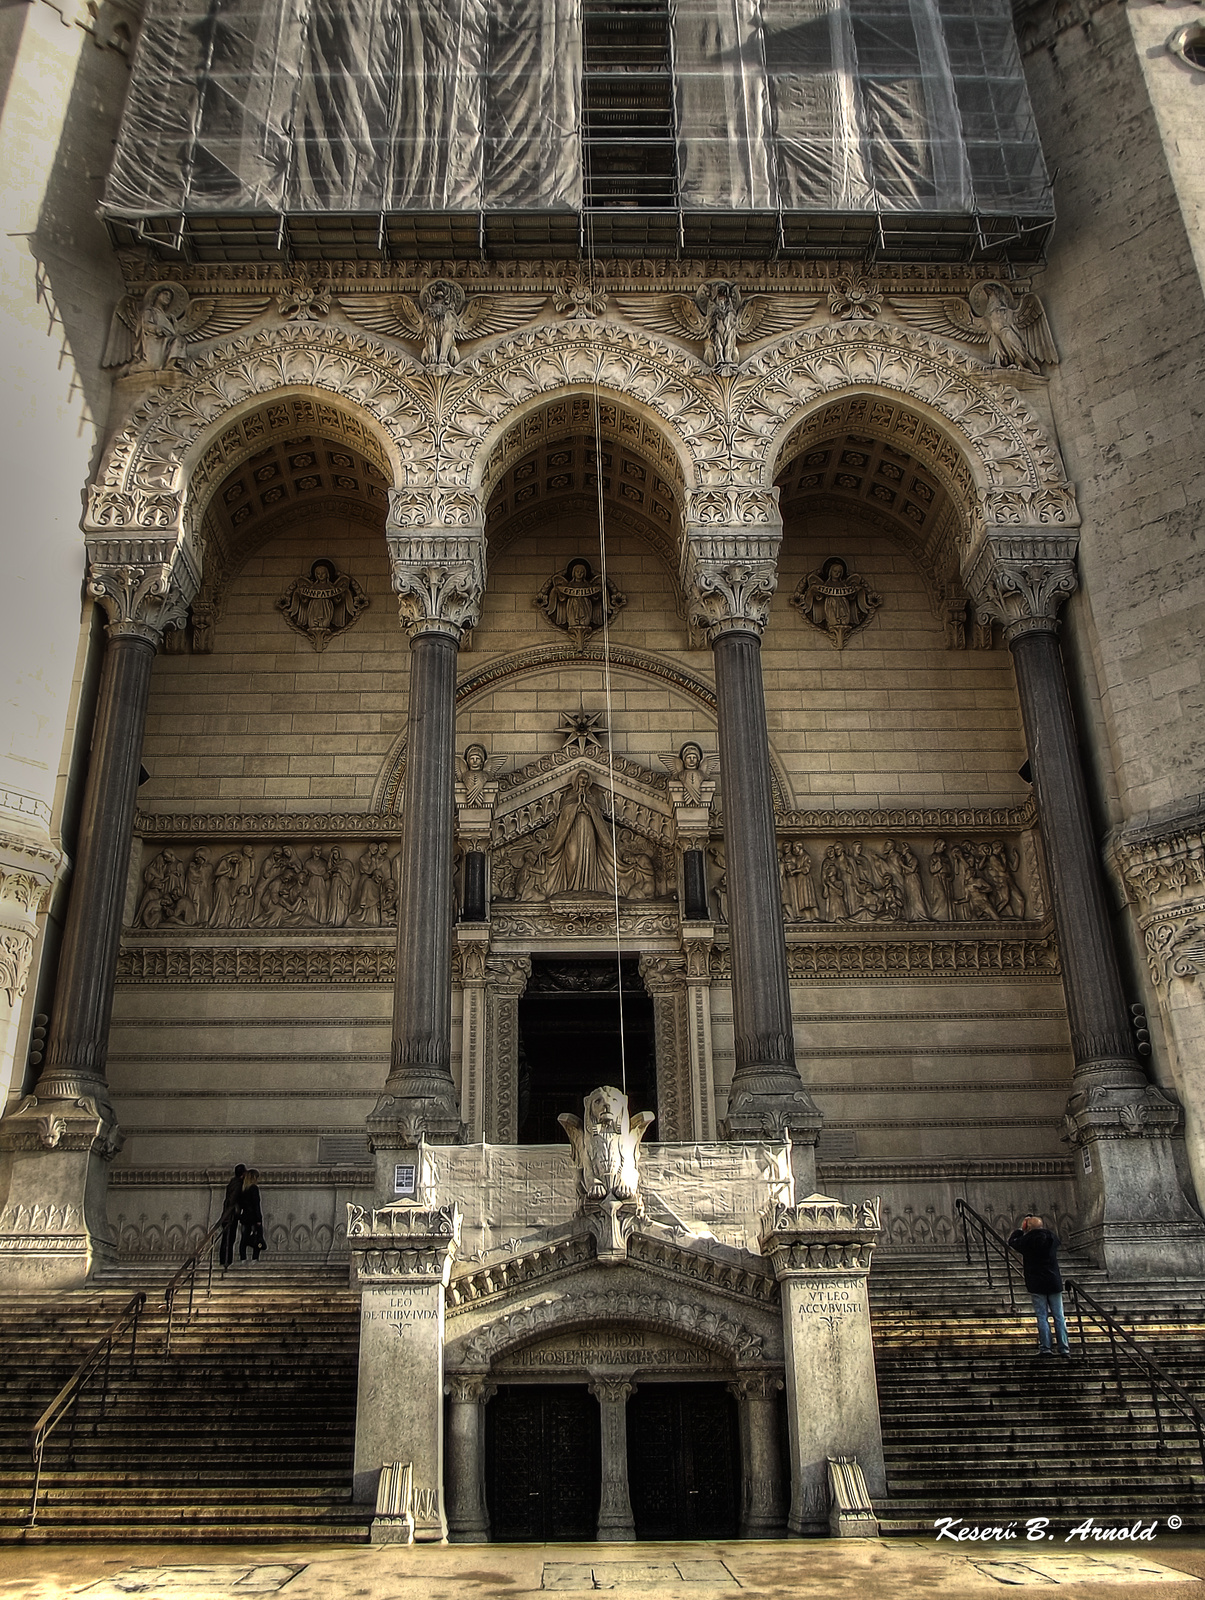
[(469, 1388), (416, 1243), (728, 585), (144, 585), (439, 580), (757, 1386), (820, 1234), (612, 1389), (28, 871), (1021, 580)]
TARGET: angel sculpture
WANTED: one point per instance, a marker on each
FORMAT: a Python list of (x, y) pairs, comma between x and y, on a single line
[(1015, 332), (473, 772), (720, 317), (150, 333), (442, 318), (836, 601), (607, 1147), (694, 771), (323, 604), (577, 602)]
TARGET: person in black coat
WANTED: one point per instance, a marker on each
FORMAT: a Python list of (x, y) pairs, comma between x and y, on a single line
[(230, 1211), (252, 1218), (1039, 1250)]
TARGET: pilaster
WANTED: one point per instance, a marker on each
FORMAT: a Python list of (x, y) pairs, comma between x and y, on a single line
[(821, 1251), (401, 1261)]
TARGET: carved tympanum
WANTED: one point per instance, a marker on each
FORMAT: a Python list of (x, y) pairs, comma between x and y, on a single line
[(606, 1145), (323, 604), (837, 601), (577, 602)]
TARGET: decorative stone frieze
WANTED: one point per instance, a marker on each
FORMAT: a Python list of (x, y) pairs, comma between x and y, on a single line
[(403, 1242)]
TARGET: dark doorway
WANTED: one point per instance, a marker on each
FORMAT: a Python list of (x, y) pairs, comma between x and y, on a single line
[(543, 1463), (684, 1461), (569, 1041)]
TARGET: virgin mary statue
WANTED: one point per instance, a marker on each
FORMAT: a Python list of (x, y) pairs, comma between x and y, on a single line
[(580, 858)]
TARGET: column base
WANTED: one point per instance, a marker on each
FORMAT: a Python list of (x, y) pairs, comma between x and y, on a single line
[(55, 1157), (616, 1533), (1135, 1219)]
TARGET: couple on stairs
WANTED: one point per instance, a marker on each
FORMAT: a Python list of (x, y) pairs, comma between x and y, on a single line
[(242, 1209)]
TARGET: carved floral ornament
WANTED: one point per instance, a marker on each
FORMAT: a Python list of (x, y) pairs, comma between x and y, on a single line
[(436, 435)]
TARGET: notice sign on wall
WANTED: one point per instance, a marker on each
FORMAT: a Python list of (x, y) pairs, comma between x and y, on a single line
[(404, 1180)]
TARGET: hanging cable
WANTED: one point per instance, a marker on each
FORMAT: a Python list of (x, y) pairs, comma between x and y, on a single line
[(606, 651)]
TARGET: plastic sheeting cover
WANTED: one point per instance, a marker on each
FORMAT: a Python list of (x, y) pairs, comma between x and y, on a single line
[(371, 106)]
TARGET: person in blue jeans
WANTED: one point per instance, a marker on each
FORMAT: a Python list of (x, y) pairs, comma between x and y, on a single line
[(1039, 1250)]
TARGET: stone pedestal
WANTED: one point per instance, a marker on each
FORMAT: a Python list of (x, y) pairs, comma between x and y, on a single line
[(821, 1250), (468, 1515), (763, 1510), (612, 1390), (401, 1259)]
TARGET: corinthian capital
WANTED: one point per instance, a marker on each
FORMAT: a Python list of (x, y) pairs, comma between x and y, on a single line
[(1021, 580), (729, 566), (437, 552), (144, 584)]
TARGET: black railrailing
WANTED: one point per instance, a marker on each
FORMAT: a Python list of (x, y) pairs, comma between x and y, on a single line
[(1167, 1397), (66, 1403), (185, 1276)]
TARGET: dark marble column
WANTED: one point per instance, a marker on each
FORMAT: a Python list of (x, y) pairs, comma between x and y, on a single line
[(55, 1150), (438, 575), (730, 578), (1133, 1214), (78, 1037)]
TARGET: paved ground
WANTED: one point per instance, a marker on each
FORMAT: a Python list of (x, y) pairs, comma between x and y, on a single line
[(892, 1569)]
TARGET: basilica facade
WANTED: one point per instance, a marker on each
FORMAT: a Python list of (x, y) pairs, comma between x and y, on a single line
[(755, 670)]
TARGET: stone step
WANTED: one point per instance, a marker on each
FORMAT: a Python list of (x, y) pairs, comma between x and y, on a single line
[(133, 1532)]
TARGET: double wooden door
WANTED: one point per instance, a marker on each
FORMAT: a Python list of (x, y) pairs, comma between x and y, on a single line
[(684, 1461), (543, 1463)]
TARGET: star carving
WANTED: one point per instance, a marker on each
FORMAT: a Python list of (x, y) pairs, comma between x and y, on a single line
[(582, 731)]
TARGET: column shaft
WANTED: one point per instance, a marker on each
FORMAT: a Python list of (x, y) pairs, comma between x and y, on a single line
[(420, 1079), (1100, 1033), (78, 1040), (766, 1087), (468, 1517), (615, 1521)]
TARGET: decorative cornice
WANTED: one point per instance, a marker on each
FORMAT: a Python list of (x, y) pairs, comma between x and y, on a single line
[(275, 964), (966, 819)]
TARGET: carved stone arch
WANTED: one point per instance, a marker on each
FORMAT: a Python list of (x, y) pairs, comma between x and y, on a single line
[(685, 1316), (492, 674), (978, 433), (639, 376), (174, 443)]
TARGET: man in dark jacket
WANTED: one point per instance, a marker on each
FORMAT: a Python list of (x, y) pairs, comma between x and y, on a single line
[(1039, 1249), (230, 1216)]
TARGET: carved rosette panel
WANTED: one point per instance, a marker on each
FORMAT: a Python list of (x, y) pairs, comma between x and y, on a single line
[(506, 979), (665, 979), (27, 876)]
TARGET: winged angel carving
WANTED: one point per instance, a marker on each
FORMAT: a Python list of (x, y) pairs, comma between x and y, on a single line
[(442, 318), (1015, 332), (152, 331), (693, 770), (719, 317)]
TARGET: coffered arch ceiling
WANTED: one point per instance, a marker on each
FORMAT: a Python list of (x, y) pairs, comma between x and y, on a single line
[(292, 480), (882, 488)]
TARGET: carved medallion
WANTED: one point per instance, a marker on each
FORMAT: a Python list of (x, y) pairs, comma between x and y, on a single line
[(577, 602), (836, 601), (322, 605)]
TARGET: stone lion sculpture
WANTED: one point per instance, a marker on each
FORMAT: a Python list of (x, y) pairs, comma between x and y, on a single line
[(607, 1146)]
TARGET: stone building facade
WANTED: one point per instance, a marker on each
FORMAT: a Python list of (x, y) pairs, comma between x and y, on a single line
[(798, 650)]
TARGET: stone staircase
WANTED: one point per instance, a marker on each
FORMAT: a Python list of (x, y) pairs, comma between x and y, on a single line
[(978, 1425), (244, 1432)]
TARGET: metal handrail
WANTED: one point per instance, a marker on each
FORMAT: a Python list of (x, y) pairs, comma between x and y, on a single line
[(67, 1398), (1122, 1342), (187, 1273)]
